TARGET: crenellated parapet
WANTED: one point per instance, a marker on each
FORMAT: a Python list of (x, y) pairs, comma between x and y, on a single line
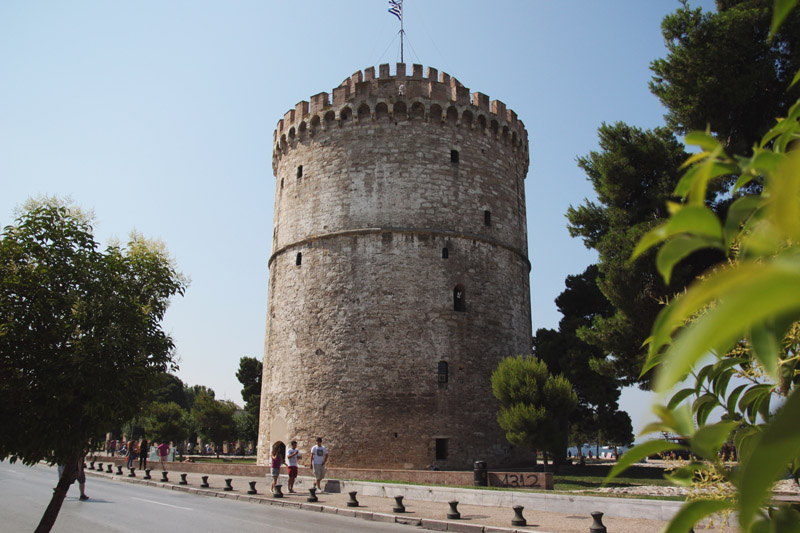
[(434, 97)]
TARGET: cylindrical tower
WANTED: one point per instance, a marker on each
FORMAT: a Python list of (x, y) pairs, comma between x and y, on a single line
[(399, 272)]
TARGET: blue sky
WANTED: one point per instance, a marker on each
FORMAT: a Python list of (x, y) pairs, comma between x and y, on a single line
[(159, 116)]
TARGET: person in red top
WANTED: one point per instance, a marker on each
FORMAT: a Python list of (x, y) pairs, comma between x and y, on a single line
[(275, 464), (163, 451)]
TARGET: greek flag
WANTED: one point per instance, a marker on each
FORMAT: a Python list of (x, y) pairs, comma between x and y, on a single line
[(396, 9)]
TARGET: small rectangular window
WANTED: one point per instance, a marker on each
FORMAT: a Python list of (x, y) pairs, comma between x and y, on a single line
[(445, 253), (300, 171), (441, 449), (442, 372), (454, 156), (487, 218)]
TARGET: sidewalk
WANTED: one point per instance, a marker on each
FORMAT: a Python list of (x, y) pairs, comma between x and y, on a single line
[(423, 513)]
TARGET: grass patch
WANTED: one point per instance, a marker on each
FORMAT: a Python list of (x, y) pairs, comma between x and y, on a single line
[(226, 461), (572, 478)]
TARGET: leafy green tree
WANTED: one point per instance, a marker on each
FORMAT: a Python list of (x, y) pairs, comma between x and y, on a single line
[(747, 316), (214, 419), (723, 72), (170, 388), (245, 426), (80, 336), (535, 405), (165, 422), (249, 375), (565, 353), (195, 391), (634, 176)]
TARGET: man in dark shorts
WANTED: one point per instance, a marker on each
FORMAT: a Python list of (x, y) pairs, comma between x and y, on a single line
[(80, 475), (292, 455)]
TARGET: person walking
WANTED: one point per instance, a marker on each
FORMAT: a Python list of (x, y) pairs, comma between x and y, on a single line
[(319, 456), (80, 476), (132, 448), (144, 451), (292, 456), (275, 464), (163, 451)]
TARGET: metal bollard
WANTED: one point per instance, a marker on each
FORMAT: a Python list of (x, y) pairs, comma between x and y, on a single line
[(352, 502), (91, 465), (228, 486), (277, 492), (109, 469), (183, 480), (131, 472), (518, 519), (100, 467), (252, 488), (597, 524), (119, 470), (453, 514), (147, 474), (164, 476), (399, 507), (313, 495), (204, 484)]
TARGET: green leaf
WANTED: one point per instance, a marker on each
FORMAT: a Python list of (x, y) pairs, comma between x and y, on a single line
[(753, 292), (678, 397), (780, 11), (692, 219), (692, 512), (704, 140), (739, 211), (639, 452), (677, 249), (734, 397), (766, 346), (707, 440), (784, 197), (776, 448), (754, 393), (703, 407)]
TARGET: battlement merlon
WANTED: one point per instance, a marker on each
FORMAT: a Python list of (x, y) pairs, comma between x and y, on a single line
[(433, 85)]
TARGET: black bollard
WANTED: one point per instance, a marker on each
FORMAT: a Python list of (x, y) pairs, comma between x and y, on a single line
[(453, 514), (164, 476), (597, 525), (119, 470), (399, 507), (228, 486), (352, 502), (252, 488), (132, 472), (91, 465), (313, 495), (183, 480), (204, 484), (100, 467), (518, 519), (109, 469), (147, 474), (277, 492)]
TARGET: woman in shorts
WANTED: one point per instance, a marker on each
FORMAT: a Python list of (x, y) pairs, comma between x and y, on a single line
[(275, 464)]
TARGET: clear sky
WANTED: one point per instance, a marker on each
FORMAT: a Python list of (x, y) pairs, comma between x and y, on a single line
[(159, 116)]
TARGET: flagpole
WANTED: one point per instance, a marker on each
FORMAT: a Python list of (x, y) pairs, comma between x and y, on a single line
[(402, 32)]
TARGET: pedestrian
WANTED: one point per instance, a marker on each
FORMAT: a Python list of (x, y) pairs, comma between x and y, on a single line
[(292, 456), (132, 447), (319, 456), (163, 451), (112, 447), (275, 464), (80, 475), (144, 451)]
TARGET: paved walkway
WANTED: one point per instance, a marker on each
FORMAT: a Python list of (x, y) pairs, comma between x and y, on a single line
[(426, 514)]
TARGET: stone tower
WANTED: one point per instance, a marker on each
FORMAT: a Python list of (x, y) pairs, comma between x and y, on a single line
[(399, 272)]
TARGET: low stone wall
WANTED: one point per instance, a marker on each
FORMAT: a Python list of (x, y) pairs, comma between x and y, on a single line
[(529, 480)]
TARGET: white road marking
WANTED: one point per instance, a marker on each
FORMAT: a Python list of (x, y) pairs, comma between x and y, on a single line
[(164, 504)]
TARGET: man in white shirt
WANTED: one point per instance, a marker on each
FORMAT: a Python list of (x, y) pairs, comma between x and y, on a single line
[(292, 455), (319, 456)]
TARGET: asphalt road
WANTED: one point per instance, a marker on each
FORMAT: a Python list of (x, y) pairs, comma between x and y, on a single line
[(113, 506)]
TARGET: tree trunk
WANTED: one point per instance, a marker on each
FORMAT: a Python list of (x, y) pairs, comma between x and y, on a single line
[(59, 493)]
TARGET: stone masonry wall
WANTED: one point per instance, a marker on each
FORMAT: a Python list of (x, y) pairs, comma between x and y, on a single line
[(375, 229)]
